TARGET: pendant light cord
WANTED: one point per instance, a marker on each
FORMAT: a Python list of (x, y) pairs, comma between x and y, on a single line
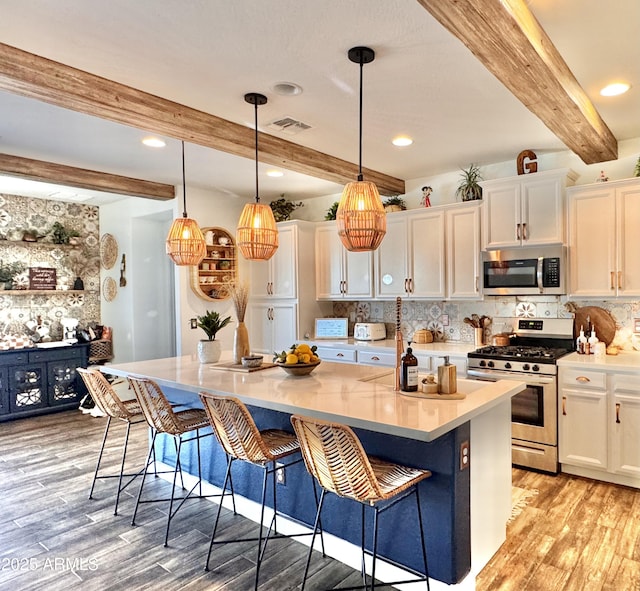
[(360, 122), (256, 127), (184, 186)]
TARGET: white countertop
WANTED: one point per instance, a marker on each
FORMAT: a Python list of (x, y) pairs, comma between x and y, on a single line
[(448, 348), (334, 391), (623, 361)]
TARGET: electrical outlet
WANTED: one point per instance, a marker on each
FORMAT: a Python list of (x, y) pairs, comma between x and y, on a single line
[(280, 476), (465, 455), (194, 323), (445, 319)]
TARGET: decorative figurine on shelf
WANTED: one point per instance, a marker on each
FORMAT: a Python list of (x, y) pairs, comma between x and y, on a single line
[(526, 162), (426, 196), (603, 178)]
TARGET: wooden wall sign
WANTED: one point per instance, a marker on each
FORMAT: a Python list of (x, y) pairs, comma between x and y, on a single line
[(42, 278), (531, 165)]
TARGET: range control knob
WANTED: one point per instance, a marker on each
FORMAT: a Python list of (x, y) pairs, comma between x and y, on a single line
[(490, 364), (525, 367), (482, 363), (535, 368), (507, 365)]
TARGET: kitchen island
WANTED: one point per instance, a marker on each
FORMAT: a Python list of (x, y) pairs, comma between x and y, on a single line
[(466, 501)]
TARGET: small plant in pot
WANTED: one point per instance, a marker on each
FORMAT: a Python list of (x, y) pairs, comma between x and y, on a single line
[(395, 203), (62, 235), (8, 272), (283, 208), (332, 211), (209, 349), (469, 189)]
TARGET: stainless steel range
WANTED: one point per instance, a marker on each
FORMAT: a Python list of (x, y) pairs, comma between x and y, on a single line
[(536, 345)]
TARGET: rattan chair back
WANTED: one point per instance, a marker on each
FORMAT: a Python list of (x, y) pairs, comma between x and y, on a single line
[(235, 429), (334, 455), (155, 406), (105, 396)]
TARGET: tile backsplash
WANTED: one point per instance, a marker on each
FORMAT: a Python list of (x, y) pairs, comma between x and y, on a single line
[(445, 318)]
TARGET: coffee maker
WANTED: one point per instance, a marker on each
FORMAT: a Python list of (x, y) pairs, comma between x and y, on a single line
[(69, 326)]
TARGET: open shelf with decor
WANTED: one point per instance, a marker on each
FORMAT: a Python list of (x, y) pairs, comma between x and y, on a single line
[(218, 269)]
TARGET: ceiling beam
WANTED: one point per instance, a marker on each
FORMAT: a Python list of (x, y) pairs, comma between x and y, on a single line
[(36, 77), (509, 41), (60, 174)]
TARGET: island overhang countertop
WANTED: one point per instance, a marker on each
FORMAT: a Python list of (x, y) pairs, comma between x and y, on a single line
[(356, 395)]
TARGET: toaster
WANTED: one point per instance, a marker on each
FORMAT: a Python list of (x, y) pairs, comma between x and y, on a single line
[(369, 331)]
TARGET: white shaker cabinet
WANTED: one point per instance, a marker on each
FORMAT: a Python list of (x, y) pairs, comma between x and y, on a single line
[(277, 277), (340, 274), (625, 424), (582, 418), (526, 210), (604, 240), (463, 252), (282, 305), (411, 259)]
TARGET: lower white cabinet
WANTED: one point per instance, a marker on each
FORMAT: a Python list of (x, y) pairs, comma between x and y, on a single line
[(599, 423), (273, 326), (335, 354)]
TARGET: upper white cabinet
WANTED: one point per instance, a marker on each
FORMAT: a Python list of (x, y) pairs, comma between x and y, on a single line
[(411, 259), (463, 251), (340, 274), (604, 241), (277, 277), (526, 210)]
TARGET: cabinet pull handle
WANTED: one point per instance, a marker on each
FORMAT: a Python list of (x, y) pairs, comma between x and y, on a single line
[(375, 358), (583, 379), (476, 284), (344, 286), (410, 284), (405, 285), (339, 354), (619, 279), (617, 412), (524, 232), (611, 282), (564, 405), (518, 231), (271, 287)]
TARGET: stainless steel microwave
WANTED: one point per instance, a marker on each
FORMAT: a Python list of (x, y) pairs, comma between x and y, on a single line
[(524, 271)]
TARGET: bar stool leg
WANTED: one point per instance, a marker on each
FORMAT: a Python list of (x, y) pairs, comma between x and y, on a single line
[(375, 547), (424, 547), (363, 565), (178, 467), (124, 456), (313, 539), (144, 476), (104, 441), (261, 549), (227, 478)]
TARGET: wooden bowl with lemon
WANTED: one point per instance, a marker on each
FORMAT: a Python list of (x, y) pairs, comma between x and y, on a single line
[(299, 360)]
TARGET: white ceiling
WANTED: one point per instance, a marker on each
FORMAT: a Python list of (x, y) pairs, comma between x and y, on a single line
[(208, 53)]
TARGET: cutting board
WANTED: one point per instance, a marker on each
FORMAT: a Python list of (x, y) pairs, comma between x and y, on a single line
[(601, 320), (239, 367)]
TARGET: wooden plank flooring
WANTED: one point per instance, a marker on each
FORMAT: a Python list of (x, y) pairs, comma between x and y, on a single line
[(575, 534)]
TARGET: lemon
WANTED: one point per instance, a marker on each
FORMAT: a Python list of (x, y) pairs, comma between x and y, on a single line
[(314, 358), (291, 359), (304, 348), (305, 358)]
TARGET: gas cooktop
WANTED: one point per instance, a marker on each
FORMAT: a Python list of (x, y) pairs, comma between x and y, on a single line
[(532, 353)]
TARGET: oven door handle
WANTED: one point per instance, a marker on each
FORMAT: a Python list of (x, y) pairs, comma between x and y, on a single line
[(494, 376), (539, 274)]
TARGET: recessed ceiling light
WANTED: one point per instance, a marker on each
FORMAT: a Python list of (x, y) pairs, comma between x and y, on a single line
[(287, 88), (275, 173), (615, 89), (402, 140), (154, 142)]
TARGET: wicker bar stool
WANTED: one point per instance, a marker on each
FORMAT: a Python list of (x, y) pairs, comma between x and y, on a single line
[(240, 439), (163, 418), (128, 411), (335, 457)]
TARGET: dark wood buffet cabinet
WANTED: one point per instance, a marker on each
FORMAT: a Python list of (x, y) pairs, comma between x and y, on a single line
[(41, 380)]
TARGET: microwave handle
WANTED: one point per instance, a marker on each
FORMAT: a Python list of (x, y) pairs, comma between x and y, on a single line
[(539, 274)]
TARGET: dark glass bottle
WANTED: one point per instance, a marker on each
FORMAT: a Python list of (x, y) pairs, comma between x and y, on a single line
[(409, 372)]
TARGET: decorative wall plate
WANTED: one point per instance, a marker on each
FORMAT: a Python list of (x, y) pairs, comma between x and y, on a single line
[(108, 251), (109, 289)]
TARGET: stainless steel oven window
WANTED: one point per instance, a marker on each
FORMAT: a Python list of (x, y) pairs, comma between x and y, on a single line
[(527, 407)]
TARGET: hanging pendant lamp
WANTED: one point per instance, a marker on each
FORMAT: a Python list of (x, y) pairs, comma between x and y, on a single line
[(185, 242), (361, 219), (257, 234)]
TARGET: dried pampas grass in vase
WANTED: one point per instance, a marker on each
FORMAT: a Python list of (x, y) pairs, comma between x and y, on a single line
[(239, 293)]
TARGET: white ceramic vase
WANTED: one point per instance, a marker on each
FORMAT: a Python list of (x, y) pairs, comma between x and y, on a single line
[(209, 351)]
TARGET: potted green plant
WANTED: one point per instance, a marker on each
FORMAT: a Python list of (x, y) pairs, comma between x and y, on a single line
[(332, 211), (209, 349), (283, 208), (8, 272), (395, 203), (62, 235), (469, 189), (636, 170)]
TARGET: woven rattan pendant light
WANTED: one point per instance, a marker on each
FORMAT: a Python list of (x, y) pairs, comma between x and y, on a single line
[(361, 219), (185, 242), (257, 234)]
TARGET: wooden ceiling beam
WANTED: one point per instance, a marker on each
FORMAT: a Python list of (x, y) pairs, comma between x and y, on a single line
[(36, 77), (60, 174), (506, 37)]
